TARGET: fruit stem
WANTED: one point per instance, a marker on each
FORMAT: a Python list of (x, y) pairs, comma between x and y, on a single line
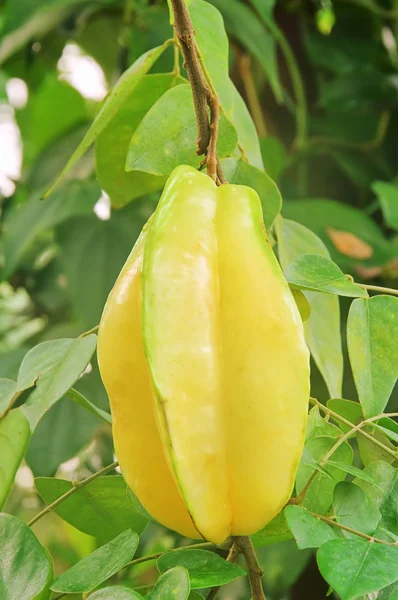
[(255, 572)]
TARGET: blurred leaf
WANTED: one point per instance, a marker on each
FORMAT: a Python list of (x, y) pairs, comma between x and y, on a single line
[(213, 44), (26, 221), (353, 508), (317, 273), (7, 390), (387, 194), (113, 101), (244, 25), (112, 143), (302, 304), (138, 507), (265, 10), (274, 156), (82, 401), (319, 495), (372, 337), (309, 532), (173, 585), (352, 411), (276, 531), (323, 326), (195, 596), (384, 493), (14, 439), (25, 566), (389, 593), (100, 508), (240, 172), (116, 592), (60, 435), (53, 367), (356, 567), (166, 136), (52, 110), (97, 567), (349, 244), (206, 569), (282, 565), (317, 426), (320, 214)]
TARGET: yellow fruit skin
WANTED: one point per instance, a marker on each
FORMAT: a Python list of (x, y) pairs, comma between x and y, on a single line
[(214, 449)]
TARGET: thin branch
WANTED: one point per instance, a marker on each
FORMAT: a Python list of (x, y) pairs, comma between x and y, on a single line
[(203, 93), (350, 530), (76, 486), (244, 66), (137, 561), (92, 330), (364, 434), (232, 557), (255, 572), (378, 288)]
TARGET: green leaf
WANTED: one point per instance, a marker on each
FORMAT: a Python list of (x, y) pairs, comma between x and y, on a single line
[(213, 44), (276, 531), (388, 198), (322, 329), (359, 473), (54, 367), (389, 433), (274, 156), (265, 10), (26, 221), (317, 273), (113, 101), (389, 593), (63, 431), (206, 569), (173, 585), (384, 492), (244, 25), (302, 304), (356, 567), (116, 592), (282, 565), (166, 136), (26, 569), (195, 596), (353, 508), (319, 495), (240, 172), (100, 508), (309, 532), (14, 439), (111, 145), (98, 566), (372, 336), (352, 411), (82, 401), (317, 426), (137, 506), (7, 391)]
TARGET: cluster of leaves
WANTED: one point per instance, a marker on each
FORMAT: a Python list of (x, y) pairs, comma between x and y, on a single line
[(327, 139)]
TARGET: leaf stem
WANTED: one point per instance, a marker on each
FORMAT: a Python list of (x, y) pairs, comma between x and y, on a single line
[(76, 486), (378, 288), (232, 557), (92, 330), (137, 561), (255, 572), (203, 93)]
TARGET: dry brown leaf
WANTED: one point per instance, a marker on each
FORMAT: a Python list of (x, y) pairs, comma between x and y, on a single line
[(349, 244)]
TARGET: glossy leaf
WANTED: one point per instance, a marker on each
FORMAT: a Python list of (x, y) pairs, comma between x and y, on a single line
[(356, 567), (53, 367), (213, 44), (206, 569), (317, 273), (7, 391), (114, 100), (353, 508), (384, 492), (97, 567), (26, 569), (116, 592), (323, 326), (308, 531), (165, 138), (173, 585), (319, 495), (388, 198), (14, 440), (240, 172), (100, 508), (372, 336)]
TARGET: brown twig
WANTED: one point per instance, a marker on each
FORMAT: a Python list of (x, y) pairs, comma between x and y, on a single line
[(232, 557), (204, 96), (244, 66), (255, 572)]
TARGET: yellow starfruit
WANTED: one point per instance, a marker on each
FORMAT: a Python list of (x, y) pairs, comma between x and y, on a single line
[(202, 352)]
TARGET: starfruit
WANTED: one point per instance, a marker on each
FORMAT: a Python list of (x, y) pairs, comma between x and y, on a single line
[(202, 352)]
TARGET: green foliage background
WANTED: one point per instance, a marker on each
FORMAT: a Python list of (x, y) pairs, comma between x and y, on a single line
[(309, 92)]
